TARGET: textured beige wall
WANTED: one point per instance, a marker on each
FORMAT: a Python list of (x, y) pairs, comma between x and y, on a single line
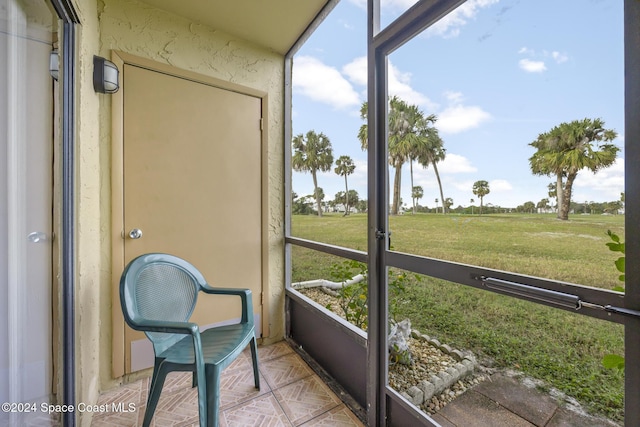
[(89, 242), (138, 29)]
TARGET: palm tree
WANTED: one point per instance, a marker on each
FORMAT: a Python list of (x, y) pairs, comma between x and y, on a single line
[(528, 207), (472, 201), (552, 191), (363, 132), (419, 143), (341, 198), (481, 189), (416, 194), (344, 167), (313, 153), (403, 121), (543, 204), (567, 149), (448, 203), (430, 148), (318, 194)]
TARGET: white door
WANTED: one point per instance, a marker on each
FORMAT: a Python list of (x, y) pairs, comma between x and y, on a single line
[(26, 156)]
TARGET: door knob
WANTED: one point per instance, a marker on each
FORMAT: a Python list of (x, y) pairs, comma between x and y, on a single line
[(37, 237), (135, 233)]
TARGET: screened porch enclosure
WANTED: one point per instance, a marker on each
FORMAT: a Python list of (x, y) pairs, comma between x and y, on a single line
[(460, 276)]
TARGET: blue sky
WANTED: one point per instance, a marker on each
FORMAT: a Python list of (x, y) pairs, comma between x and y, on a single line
[(497, 73)]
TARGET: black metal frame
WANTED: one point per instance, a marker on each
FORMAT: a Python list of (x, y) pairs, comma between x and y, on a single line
[(69, 17), (632, 211), (316, 329), (384, 405)]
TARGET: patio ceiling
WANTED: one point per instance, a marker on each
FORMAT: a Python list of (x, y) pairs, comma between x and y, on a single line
[(274, 24)]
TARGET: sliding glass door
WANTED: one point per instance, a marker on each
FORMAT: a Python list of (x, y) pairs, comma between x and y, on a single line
[(27, 37)]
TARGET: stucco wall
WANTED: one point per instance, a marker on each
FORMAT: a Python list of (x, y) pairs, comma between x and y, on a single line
[(138, 29), (90, 274)]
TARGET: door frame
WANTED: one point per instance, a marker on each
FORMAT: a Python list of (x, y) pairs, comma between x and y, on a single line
[(117, 191)]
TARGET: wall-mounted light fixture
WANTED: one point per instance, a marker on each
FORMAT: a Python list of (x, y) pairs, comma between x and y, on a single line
[(54, 64), (105, 75)]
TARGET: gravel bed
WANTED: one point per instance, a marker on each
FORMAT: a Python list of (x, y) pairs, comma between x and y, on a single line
[(427, 361)]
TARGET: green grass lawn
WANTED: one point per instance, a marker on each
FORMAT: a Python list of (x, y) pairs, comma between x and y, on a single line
[(564, 349)]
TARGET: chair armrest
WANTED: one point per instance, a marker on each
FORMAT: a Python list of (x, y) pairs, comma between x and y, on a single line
[(185, 328), (225, 291), (148, 325), (244, 294)]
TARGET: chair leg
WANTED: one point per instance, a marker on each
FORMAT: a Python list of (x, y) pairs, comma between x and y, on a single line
[(213, 395), (254, 359), (157, 381), (202, 397)]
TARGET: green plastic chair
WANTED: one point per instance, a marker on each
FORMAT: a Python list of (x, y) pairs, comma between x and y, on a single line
[(158, 293)]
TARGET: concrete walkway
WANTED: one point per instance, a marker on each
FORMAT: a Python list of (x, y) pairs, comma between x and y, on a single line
[(503, 401)]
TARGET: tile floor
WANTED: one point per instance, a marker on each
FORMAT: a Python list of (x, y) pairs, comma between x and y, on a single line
[(290, 394)]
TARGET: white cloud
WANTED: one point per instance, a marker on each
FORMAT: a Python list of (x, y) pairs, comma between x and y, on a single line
[(453, 119), (356, 71), (498, 185), (449, 26), (399, 82), (423, 177), (465, 186), (455, 163), (526, 51), (454, 97), (449, 168), (559, 57), (459, 118), (609, 181), (532, 66), (323, 83), (400, 85)]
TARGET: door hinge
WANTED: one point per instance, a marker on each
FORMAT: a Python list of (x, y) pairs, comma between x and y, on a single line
[(261, 298), (261, 123)]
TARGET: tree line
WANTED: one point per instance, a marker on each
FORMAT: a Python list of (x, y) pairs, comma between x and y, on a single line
[(561, 153), (313, 153), (412, 138)]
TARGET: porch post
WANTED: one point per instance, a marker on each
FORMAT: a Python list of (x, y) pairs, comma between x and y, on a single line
[(632, 210), (377, 222)]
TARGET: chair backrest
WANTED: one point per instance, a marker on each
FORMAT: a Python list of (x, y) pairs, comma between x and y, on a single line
[(159, 287)]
